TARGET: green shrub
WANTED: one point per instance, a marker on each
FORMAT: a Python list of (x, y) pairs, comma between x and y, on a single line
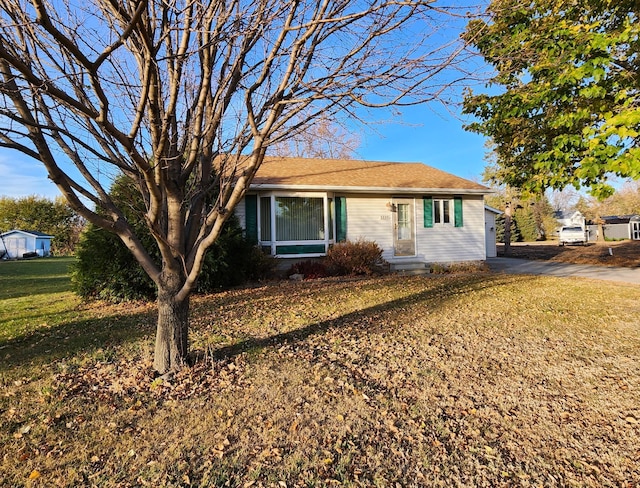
[(355, 258), (261, 266), (233, 260), (105, 269), (225, 264)]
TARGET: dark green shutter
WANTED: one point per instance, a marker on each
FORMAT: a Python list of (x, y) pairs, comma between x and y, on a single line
[(457, 211), (428, 211), (251, 218), (341, 219)]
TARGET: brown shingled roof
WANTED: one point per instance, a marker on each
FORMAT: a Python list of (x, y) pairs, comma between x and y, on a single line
[(345, 174)]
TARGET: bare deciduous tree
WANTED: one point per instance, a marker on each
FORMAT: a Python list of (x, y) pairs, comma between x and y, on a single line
[(159, 90), (324, 138)]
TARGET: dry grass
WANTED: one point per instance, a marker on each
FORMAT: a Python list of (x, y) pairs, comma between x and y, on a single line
[(465, 380), (620, 253)]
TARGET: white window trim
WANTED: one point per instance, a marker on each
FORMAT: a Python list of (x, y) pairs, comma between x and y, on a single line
[(440, 202), (272, 242)]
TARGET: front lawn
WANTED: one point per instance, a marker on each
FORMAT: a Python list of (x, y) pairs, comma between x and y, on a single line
[(468, 380), (34, 293)]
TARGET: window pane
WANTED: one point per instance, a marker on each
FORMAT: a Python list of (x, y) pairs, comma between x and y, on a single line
[(265, 219), (299, 219), (404, 222), (446, 218), (436, 211)]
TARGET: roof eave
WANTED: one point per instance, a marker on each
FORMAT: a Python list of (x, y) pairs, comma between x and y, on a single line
[(493, 209), (370, 189), (39, 236)]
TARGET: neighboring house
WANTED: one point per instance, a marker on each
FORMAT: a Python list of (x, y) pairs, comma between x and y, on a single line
[(297, 208), (621, 227), (570, 219), (576, 219), (16, 243)]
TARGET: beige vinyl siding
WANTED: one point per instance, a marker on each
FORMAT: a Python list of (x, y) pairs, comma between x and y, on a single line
[(241, 214), (446, 243), (368, 217)]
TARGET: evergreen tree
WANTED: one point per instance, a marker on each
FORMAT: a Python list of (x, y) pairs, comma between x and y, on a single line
[(105, 268)]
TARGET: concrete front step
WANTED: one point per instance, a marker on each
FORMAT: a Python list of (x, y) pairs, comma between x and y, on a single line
[(410, 267)]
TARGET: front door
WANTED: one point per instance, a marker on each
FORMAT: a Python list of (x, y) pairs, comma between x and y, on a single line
[(635, 231), (404, 237)]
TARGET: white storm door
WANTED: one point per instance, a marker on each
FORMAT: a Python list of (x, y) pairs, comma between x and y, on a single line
[(404, 236)]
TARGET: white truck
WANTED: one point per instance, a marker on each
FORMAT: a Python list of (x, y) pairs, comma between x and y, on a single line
[(572, 235)]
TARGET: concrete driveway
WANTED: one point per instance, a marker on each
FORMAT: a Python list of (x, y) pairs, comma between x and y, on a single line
[(526, 266)]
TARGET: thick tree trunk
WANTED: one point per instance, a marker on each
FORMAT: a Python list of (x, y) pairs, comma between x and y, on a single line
[(172, 331), (507, 229), (600, 237)]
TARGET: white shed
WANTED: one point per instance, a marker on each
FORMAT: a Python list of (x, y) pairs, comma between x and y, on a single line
[(16, 243), (634, 224), (622, 227)]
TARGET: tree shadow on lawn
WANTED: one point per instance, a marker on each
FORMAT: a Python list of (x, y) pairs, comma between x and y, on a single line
[(436, 297), (50, 344), (38, 277), (29, 286), (70, 338)]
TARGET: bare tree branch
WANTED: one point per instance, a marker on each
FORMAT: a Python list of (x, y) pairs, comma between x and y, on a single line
[(160, 90)]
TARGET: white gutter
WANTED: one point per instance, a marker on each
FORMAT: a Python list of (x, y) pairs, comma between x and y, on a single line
[(370, 189), (43, 236), (493, 210)]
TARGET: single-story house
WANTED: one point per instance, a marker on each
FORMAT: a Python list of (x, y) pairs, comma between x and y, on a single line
[(16, 243), (418, 215), (621, 227)]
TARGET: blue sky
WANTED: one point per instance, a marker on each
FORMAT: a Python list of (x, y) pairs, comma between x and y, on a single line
[(422, 134), (435, 138)]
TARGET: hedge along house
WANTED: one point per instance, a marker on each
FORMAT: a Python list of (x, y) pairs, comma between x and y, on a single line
[(418, 215), (16, 243)]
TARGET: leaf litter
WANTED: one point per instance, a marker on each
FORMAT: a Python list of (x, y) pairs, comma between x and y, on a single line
[(471, 380)]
